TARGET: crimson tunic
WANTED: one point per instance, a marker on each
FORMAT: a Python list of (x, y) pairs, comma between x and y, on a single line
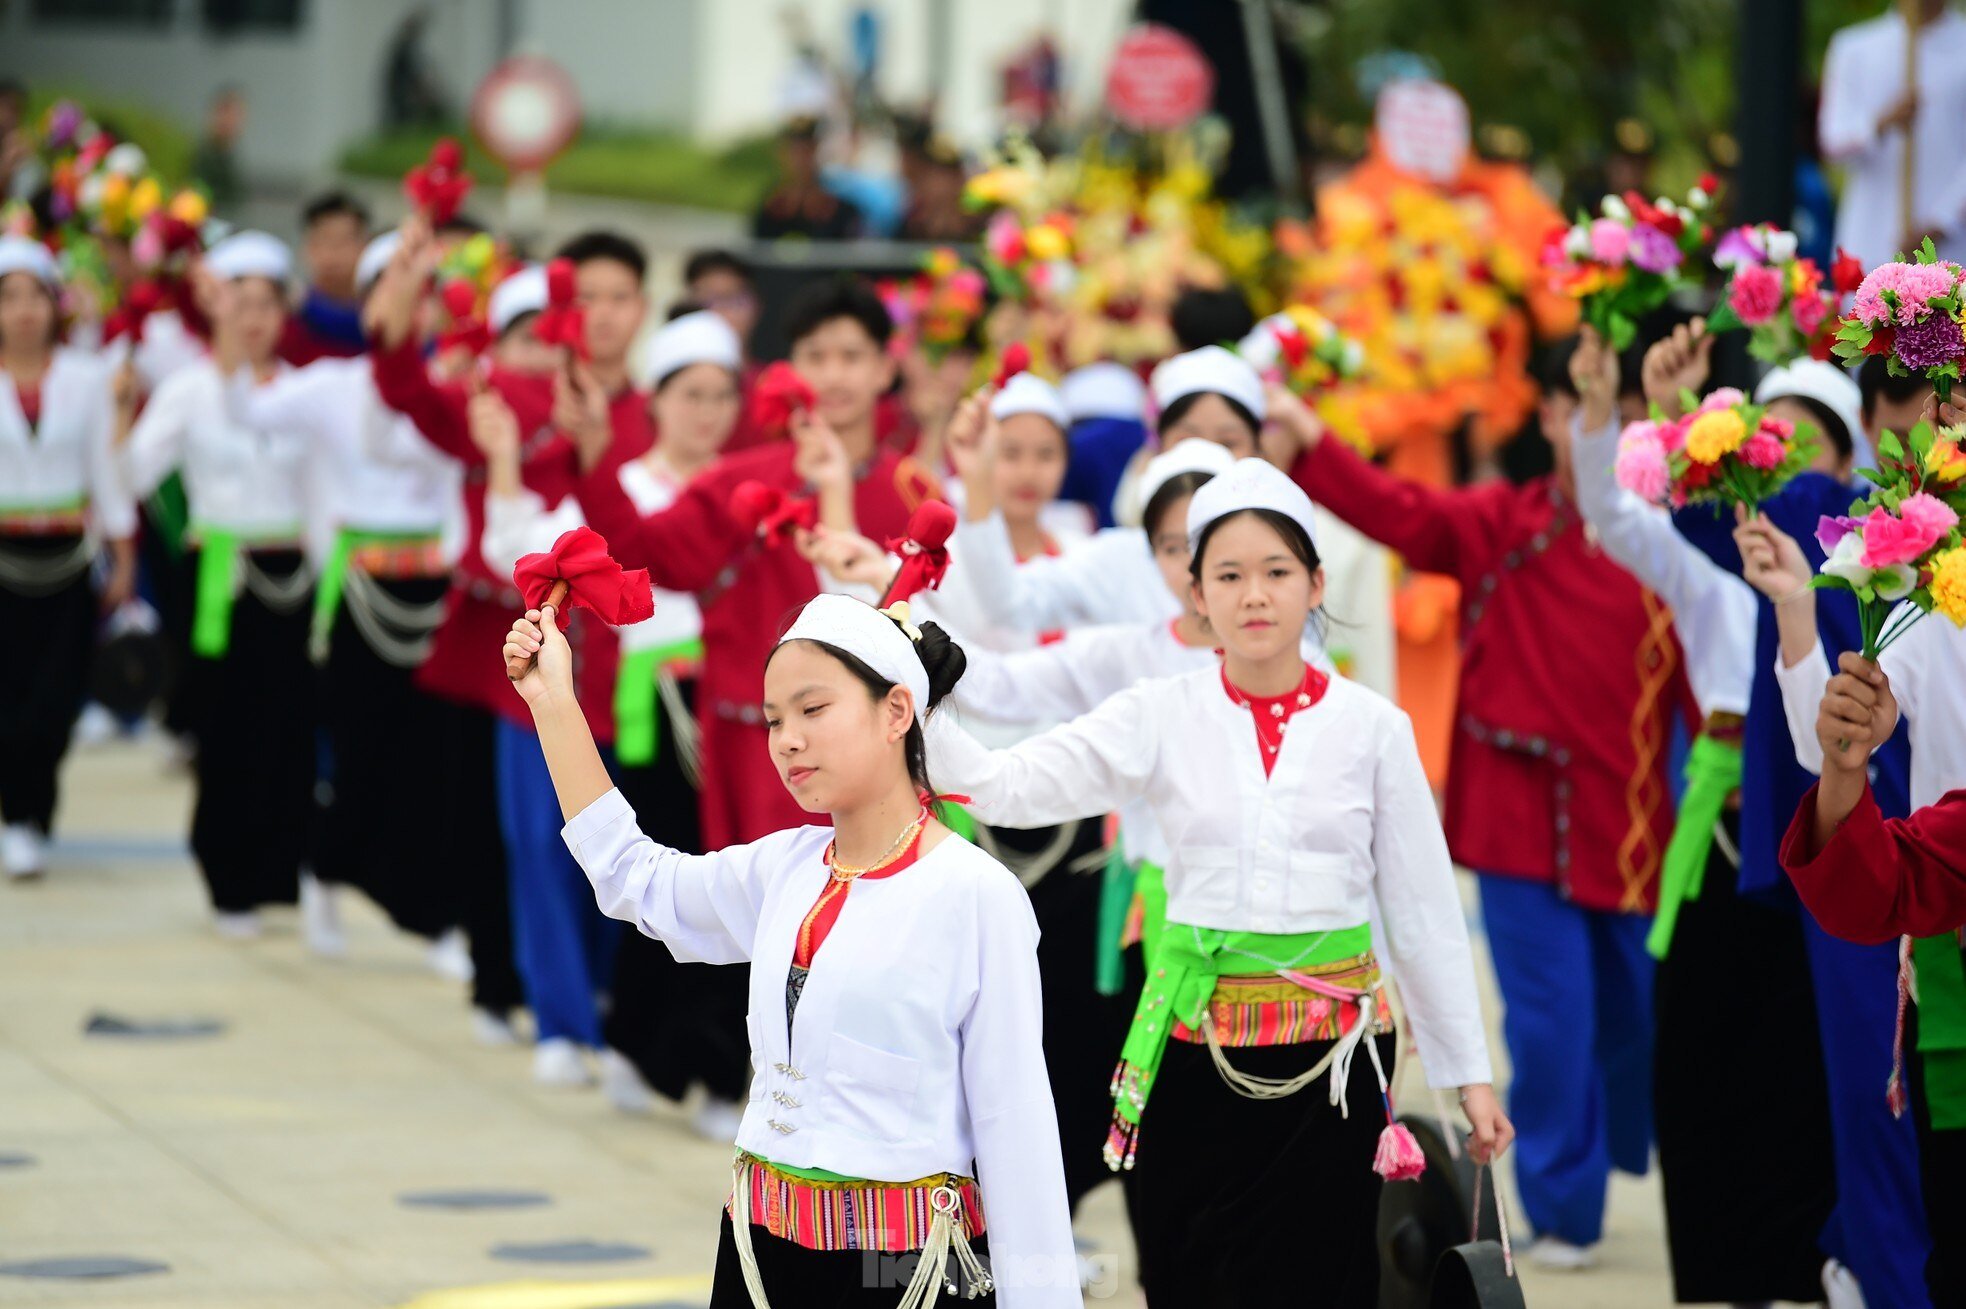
[(749, 594), (1570, 674), (1876, 879), (464, 665)]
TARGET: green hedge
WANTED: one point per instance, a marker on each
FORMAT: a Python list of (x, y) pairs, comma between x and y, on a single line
[(167, 144), (613, 161)]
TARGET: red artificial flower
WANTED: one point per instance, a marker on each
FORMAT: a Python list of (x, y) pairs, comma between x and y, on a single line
[(562, 322), (438, 185), (1881, 341), (779, 394), (924, 551), (1291, 345), (143, 299), (594, 580), (1016, 359), (1709, 183), (770, 513), (1846, 273)]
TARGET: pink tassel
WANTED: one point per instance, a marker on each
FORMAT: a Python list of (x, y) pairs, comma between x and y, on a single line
[(1399, 1158), (1894, 1088)]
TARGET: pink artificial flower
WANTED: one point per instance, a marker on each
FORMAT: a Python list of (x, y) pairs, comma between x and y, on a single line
[(1901, 538), (1610, 239), (1672, 436), (1722, 397), (1755, 294), (1914, 284), (1781, 427), (1808, 313), (1928, 517), (1641, 467), (1763, 450)]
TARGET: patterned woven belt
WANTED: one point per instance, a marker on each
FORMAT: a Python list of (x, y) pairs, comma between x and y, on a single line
[(67, 520), (889, 1217), (408, 559), (1266, 1009)]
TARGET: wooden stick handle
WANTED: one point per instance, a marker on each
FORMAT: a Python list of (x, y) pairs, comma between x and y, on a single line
[(1908, 168), (519, 665)]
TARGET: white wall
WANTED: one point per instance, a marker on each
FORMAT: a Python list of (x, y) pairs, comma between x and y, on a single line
[(633, 60)]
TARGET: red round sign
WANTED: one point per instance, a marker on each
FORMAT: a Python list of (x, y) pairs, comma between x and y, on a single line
[(1159, 80), (526, 111)]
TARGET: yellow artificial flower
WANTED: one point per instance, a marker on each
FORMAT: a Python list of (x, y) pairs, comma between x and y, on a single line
[(1046, 242), (1946, 461), (145, 198), (1949, 584), (1715, 435), (190, 208)]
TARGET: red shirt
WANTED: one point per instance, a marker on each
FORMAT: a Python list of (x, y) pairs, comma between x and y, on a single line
[(1876, 879), (1272, 713), (1570, 676)]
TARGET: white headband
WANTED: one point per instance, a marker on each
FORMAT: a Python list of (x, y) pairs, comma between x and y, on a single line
[(1192, 455), (1825, 383), (1027, 393), (1104, 390), (375, 257), (20, 254), (702, 337), (1209, 369), (869, 636), (250, 254), (1250, 484), (521, 293)]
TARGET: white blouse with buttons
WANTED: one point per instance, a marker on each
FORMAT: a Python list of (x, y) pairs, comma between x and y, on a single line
[(65, 459), (917, 1046), (1345, 816), (238, 478)]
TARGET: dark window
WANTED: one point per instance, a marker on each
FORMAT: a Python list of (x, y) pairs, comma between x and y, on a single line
[(228, 16), (153, 13)]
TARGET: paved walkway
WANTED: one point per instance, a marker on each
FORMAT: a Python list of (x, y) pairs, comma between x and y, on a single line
[(266, 1164)]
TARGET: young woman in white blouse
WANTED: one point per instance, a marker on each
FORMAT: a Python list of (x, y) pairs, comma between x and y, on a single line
[(248, 679), (670, 1025), (60, 498), (900, 1102), (1289, 800)]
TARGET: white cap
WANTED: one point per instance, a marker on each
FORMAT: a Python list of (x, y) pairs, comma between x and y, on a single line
[(1209, 369), (20, 254), (250, 254), (1104, 390), (869, 636), (375, 257), (702, 337), (1193, 455), (1027, 393), (1250, 484), (523, 292), (1825, 383)]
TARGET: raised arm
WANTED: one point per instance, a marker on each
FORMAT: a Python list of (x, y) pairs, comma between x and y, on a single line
[(1083, 585), (155, 443), (1062, 680), (1091, 765)]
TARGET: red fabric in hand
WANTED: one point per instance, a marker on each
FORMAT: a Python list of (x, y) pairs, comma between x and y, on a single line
[(780, 393), (770, 512), (562, 322), (438, 185), (924, 551), (594, 580), (1016, 359)]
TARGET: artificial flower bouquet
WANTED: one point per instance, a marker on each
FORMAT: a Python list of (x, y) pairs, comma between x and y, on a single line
[(1782, 299), (1902, 543), (1723, 451), (1631, 258), (939, 307), (1909, 311), (1303, 350)]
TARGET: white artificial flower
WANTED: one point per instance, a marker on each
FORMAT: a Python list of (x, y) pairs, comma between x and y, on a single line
[(1577, 243), (1698, 198), (1616, 208), (125, 160), (1781, 247), (1894, 582), (1846, 561)]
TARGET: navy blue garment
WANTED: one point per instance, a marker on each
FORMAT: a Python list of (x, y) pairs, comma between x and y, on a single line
[(337, 321), (1101, 450), (1878, 1228)]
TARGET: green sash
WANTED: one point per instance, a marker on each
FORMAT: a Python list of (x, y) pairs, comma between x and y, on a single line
[(1942, 1028), (217, 589), (1115, 898), (1184, 964), (327, 596), (1713, 772), (637, 726)]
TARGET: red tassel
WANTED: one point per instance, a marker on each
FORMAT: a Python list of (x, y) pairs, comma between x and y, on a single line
[(1399, 1158)]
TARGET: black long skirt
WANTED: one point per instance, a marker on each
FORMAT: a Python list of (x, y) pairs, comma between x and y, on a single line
[(1241, 1202), (1740, 1100), (468, 792), (256, 759), (1083, 1030), (677, 1023), (386, 741), (46, 680), (797, 1278), (1942, 1173)]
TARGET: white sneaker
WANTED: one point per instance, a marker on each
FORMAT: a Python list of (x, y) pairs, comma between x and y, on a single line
[(559, 1062), (23, 850), (622, 1084), (717, 1120), (1561, 1256), (1840, 1285), (237, 926), (94, 726), (320, 918), (488, 1028), (450, 956)]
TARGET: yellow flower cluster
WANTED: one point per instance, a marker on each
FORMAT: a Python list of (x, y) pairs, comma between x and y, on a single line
[(1715, 435), (1949, 584)]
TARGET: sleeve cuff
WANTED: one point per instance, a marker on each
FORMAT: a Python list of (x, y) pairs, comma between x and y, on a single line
[(595, 819), (1865, 825)]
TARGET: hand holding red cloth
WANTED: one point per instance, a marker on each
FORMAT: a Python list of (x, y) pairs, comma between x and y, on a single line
[(779, 393), (924, 551), (771, 513), (594, 580), (562, 322), (1016, 359), (438, 185)]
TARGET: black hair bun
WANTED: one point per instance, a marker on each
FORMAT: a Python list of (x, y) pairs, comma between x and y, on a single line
[(943, 659)]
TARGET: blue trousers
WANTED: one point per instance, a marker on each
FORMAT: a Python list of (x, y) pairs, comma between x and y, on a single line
[(1878, 1226), (564, 945), (1577, 1018)]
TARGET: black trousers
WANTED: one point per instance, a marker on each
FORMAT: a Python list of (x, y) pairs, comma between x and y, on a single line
[(46, 681), (797, 1278), (256, 751), (1242, 1202), (1749, 1176), (468, 793), (677, 1023), (386, 740), (1083, 1030), (1942, 1172)]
